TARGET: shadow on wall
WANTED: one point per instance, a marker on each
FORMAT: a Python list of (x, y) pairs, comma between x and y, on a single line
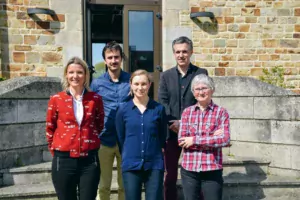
[(4, 51), (210, 27)]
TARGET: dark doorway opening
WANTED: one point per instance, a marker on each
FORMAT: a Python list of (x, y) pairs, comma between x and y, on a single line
[(106, 25)]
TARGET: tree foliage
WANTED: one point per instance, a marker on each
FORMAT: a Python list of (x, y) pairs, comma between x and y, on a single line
[(99, 68)]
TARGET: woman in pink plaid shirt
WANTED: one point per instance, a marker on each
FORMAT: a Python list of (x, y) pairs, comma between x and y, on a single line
[(204, 130)]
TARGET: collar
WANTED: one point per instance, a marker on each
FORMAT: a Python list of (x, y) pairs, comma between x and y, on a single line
[(70, 93), (149, 104), (107, 76), (209, 107), (187, 72)]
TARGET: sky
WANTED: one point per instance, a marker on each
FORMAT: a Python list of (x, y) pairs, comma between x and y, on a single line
[(97, 51)]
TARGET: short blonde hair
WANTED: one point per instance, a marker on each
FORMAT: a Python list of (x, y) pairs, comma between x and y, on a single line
[(139, 72), (79, 61)]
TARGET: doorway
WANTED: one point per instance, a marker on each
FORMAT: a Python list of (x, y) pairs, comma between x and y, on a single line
[(133, 24)]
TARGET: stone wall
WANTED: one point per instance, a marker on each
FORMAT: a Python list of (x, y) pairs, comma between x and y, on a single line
[(250, 36), (265, 122), (39, 45), (23, 105)]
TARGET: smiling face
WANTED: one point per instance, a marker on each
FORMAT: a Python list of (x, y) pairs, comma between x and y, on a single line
[(140, 85), (75, 75), (182, 54), (113, 60), (202, 93)]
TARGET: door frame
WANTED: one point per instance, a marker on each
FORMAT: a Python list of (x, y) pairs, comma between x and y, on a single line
[(126, 2), (157, 51), (87, 43), (156, 33)]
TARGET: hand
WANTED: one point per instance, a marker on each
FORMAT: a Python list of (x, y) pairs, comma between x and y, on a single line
[(218, 132), (174, 126), (186, 142)]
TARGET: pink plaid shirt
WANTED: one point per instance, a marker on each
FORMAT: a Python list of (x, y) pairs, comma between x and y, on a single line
[(206, 153)]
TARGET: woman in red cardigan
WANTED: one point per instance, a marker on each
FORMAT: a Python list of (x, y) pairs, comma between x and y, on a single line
[(75, 117)]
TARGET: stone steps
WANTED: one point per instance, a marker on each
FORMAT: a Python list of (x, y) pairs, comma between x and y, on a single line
[(42, 172), (237, 187), (244, 179)]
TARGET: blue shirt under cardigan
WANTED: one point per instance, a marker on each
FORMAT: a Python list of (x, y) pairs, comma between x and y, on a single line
[(113, 94), (141, 137)]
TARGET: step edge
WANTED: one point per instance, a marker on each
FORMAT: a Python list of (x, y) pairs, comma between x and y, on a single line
[(114, 189), (48, 169)]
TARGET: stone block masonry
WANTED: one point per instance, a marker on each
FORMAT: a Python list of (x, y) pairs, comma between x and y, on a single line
[(39, 45), (250, 36), (23, 106), (264, 122)]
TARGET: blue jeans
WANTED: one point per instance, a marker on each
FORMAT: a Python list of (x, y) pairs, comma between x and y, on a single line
[(210, 183), (152, 180)]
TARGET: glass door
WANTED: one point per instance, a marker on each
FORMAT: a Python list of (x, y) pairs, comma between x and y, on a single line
[(142, 41)]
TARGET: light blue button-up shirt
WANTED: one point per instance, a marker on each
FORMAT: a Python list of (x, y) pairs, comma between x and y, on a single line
[(113, 94)]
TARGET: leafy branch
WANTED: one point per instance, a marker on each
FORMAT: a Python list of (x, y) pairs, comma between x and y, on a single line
[(275, 76)]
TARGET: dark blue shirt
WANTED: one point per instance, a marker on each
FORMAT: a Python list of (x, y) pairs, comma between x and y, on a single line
[(113, 94), (141, 137)]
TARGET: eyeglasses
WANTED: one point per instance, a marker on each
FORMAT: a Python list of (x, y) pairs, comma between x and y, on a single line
[(204, 89)]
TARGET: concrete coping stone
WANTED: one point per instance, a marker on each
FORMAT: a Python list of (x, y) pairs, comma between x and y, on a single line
[(29, 87), (237, 86)]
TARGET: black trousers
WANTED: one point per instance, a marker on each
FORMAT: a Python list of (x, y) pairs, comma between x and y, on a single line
[(70, 174), (210, 183)]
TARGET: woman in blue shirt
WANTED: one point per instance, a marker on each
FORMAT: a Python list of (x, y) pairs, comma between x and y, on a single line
[(141, 129)]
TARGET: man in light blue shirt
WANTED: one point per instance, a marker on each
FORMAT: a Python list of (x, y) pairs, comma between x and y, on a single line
[(114, 88)]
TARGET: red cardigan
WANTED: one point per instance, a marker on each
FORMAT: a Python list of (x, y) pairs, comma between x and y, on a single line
[(62, 130)]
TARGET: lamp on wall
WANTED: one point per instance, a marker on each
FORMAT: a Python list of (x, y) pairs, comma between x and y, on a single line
[(202, 17), (34, 11)]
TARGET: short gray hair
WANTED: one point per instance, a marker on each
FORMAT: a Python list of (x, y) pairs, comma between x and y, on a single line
[(183, 40), (204, 79)]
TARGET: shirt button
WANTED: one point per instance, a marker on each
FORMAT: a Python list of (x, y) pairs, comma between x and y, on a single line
[(142, 124), (142, 133), (142, 142), (143, 151)]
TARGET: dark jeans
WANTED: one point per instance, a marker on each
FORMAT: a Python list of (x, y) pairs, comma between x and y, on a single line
[(172, 154), (68, 174), (152, 180), (209, 182)]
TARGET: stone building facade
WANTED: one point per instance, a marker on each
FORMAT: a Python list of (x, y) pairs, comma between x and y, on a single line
[(39, 45), (250, 36)]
